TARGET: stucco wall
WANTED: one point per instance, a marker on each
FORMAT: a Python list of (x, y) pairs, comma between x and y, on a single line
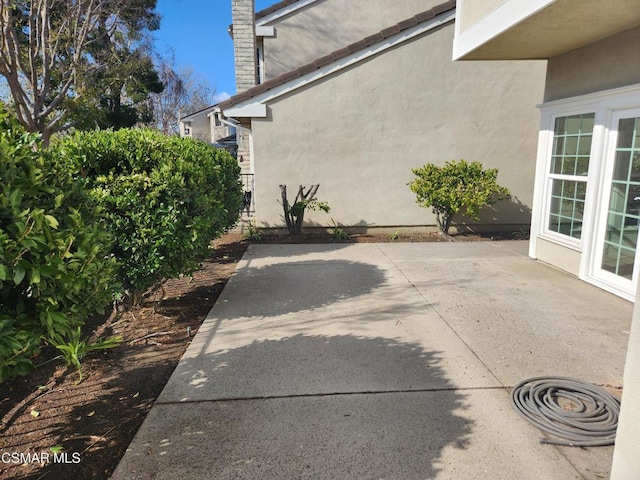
[(200, 127), (626, 461), (328, 25), (472, 11), (564, 258), (360, 131), (610, 63)]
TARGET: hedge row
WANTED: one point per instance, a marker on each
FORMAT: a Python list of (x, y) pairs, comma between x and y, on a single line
[(97, 215)]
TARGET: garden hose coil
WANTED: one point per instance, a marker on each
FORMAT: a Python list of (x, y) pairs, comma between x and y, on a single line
[(577, 413)]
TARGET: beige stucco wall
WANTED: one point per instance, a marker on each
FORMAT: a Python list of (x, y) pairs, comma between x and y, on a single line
[(610, 63), (200, 127), (626, 461), (359, 132), (472, 11), (328, 25), (564, 258)]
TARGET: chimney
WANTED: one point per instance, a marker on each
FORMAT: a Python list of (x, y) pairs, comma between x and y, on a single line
[(244, 43)]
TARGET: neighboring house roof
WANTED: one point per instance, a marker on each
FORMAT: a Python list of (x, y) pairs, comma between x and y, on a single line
[(338, 55), (282, 5), (231, 139), (195, 114)]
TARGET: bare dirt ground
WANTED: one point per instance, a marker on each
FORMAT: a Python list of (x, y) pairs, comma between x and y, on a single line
[(53, 427)]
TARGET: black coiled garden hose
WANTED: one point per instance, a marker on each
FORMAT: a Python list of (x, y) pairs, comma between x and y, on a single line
[(578, 413)]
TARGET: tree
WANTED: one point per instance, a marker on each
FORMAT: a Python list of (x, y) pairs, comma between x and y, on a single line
[(183, 93), (69, 62), (456, 187), (294, 213)]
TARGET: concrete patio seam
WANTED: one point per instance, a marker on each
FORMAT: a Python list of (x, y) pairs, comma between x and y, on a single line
[(430, 305), (330, 394)]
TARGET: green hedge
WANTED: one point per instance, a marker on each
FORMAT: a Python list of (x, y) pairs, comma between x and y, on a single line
[(163, 198), (55, 267)]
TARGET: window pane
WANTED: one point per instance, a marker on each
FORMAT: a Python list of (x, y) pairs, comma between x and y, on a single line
[(572, 143), (635, 164), (625, 132), (587, 123), (569, 166), (573, 123), (567, 207), (621, 170), (582, 166)]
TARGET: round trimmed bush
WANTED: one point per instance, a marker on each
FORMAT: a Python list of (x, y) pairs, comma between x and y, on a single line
[(163, 199)]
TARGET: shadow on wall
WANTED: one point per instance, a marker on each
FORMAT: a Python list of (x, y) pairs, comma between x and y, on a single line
[(506, 215), (307, 407)]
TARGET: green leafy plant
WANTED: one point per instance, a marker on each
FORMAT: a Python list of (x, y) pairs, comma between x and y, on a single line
[(55, 267), (253, 234), (163, 199), (338, 232), (73, 348), (393, 236), (294, 212), (458, 186)]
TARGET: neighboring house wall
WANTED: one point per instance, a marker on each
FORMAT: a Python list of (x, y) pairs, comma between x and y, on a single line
[(610, 63), (199, 127), (328, 25), (359, 132)]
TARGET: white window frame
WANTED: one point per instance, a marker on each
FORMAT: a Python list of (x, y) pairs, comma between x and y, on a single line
[(604, 104)]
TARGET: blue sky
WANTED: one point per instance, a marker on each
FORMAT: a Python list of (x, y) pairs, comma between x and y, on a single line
[(196, 31)]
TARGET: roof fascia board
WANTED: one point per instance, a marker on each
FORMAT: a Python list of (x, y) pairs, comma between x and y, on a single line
[(503, 18), (340, 64), (253, 110), (283, 12), (204, 111), (265, 31)]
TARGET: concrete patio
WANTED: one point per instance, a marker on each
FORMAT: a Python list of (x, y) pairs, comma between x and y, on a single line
[(381, 361)]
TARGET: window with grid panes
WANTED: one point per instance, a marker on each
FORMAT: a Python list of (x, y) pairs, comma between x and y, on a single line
[(568, 173)]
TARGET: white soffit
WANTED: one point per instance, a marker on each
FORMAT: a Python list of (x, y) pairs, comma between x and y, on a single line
[(542, 29), (503, 18), (241, 109)]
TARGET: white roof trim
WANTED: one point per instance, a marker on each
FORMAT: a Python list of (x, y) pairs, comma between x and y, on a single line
[(205, 111), (265, 31), (241, 108), (253, 110), (283, 11)]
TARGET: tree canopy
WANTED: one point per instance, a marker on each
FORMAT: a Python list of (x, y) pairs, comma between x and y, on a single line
[(82, 63)]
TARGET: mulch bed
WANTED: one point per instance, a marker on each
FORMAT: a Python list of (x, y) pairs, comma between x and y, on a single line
[(90, 424)]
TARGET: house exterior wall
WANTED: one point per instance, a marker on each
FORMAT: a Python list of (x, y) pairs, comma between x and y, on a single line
[(561, 257), (610, 63), (626, 462), (359, 132), (328, 25)]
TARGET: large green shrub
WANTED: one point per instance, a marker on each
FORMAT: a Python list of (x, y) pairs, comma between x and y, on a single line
[(163, 198), (55, 268), (458, 186)]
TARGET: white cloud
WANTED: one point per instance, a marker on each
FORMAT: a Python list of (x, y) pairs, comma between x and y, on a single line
[(221, 97)]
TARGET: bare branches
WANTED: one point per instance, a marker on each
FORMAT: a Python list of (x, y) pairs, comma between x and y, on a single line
[(45, 44)]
